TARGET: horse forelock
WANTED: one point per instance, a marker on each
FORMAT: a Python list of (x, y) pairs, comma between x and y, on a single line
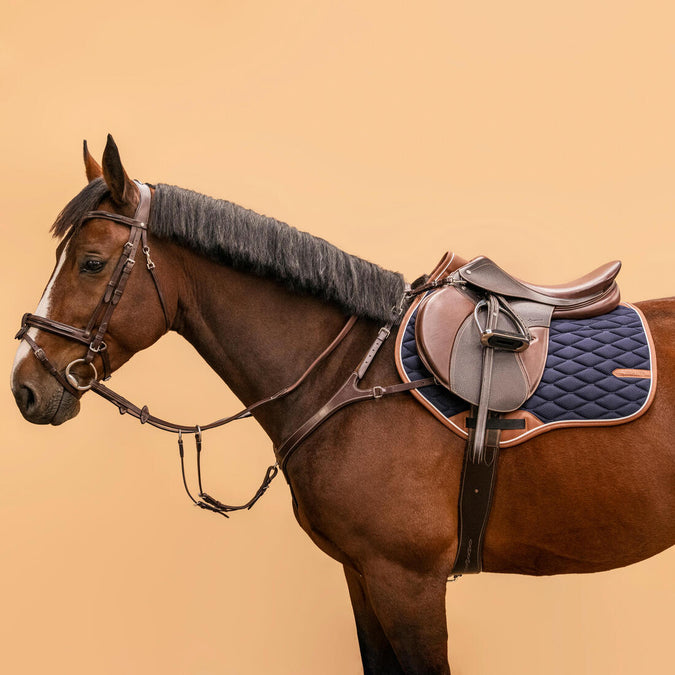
[(88, 199), (250, 242)]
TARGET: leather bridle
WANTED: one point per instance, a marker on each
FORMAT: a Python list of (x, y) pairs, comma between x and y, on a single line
[(95, 331)]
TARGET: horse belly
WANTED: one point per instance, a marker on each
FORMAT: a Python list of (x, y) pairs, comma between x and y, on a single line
[(582, 501)]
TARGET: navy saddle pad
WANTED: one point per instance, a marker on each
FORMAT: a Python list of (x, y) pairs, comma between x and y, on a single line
[(599, 371)]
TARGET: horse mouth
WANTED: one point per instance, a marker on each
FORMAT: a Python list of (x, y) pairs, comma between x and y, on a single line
[(58, 408), (67, 408)]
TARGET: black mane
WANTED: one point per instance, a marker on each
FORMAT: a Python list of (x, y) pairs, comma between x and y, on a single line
[(247, 241)]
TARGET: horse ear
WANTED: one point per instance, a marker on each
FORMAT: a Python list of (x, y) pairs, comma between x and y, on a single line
[(121, 188), (91, 166)]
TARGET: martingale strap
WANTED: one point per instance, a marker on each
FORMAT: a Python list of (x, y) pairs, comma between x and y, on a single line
[(348, 393)]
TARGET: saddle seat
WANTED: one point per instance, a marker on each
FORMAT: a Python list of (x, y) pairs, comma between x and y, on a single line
[(591, 295), (515, 315), (590, 284)]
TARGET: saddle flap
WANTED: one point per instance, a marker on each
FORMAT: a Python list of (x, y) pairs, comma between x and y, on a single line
[(449, 344), (440, 316)]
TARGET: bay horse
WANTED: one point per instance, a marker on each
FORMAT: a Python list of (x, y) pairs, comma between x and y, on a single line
[(376, 485)]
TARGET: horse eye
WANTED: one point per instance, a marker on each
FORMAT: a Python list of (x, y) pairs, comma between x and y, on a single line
[(92, 266)]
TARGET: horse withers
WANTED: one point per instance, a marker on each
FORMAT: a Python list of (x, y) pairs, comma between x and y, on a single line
[(376, 485)]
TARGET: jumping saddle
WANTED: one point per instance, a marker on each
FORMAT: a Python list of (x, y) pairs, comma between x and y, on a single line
[(483, 334)]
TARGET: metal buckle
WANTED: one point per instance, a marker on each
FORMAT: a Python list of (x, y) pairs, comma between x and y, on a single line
[(378, 392), (72, 379), (149, 264)]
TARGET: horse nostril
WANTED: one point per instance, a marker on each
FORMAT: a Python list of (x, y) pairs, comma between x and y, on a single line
[(26, 398)]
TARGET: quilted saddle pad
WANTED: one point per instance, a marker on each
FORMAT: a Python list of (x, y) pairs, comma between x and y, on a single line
[(599, 371)]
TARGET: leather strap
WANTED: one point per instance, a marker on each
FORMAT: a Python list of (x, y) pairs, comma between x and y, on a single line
[(46, 363), (93, 335), (348, 393), (477, 484), (478, 434), (143, 413)]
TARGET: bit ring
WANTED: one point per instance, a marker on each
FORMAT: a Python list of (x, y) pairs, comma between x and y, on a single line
[(72, 378)]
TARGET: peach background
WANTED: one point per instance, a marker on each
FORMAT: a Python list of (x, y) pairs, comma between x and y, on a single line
[(540, 134)]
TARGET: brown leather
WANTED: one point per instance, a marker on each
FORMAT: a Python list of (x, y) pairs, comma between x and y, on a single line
[(484, 335), (598, 305), (448, 263), (637, 373), (94, 333), (446, 310), (598, 287), (449, 345), (476, 491), (348, 393), (143, 414), (590, 284), (533, 358)]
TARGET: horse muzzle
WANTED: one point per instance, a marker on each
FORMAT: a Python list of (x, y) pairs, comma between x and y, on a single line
[(41, 399)]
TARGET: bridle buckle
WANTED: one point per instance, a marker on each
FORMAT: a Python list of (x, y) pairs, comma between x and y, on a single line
[(98, 349)]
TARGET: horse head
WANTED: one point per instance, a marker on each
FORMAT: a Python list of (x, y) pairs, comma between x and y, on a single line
[(74, 337)]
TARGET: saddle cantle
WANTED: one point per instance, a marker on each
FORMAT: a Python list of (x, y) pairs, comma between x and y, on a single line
[(484, 335)]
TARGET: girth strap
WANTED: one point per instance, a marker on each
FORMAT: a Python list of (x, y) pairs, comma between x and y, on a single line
[(478, 478)]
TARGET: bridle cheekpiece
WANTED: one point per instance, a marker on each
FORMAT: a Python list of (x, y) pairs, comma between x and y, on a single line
[(95, 331)]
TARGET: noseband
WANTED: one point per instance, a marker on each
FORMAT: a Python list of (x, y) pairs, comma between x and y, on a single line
[(94, 333)]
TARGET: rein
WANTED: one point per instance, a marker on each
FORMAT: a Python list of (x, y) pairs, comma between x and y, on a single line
[(94, 333)]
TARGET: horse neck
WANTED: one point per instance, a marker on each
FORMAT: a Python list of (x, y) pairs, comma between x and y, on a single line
[(260, 337)]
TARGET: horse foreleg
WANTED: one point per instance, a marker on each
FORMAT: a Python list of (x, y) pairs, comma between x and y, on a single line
[(377, 654), (410, 608)]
